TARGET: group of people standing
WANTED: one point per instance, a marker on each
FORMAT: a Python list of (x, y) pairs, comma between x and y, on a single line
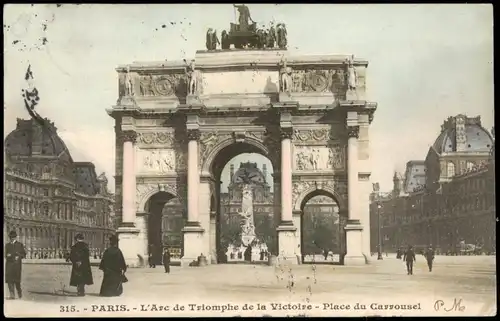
[(152, 258), (409, 257), (112, 264)]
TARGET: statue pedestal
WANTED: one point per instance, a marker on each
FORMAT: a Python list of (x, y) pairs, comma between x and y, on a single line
[(128, 101), (194, 101), (286, 98), (351, 94)]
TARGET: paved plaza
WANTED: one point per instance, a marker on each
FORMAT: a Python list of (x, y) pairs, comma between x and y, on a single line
[(471, 279)]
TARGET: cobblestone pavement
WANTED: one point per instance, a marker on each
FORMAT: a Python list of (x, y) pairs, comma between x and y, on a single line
[(466, 286)]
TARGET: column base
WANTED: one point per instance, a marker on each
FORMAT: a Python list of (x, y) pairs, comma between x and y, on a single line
[(287, 243), (354, 242), (354, 260), (130, 245), (193, 243)]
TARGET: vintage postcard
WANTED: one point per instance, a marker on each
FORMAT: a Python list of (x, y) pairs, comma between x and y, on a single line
[(195, 160)]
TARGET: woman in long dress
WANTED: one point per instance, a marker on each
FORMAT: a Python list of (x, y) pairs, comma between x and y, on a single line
[(114, 268)]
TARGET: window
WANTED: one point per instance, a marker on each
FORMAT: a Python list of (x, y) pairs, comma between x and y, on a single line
[(470, 165), (450, 168)]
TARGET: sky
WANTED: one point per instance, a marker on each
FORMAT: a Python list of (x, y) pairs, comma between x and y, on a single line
[(426, 62)]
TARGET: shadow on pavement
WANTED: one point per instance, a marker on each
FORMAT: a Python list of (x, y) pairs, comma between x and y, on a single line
[(63, 294)]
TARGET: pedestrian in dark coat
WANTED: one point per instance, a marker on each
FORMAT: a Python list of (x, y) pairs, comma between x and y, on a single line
[(14, 253), (114, 267), (166, 260), (248, 254), (81, 274), (151, 256), (409, 258), (429, 255)]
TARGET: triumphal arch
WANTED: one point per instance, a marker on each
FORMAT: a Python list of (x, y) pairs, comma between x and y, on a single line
[(179, 122)]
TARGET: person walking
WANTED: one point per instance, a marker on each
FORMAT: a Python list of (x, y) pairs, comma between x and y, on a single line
[(166, 260), (409, 258), (114, 267), (81, 274), (151, 257), (14, 254), (429, 256)]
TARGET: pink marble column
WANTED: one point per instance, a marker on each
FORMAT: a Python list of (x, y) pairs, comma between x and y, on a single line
[(193, 178), (286, 176), (352, 171), (128, 179)]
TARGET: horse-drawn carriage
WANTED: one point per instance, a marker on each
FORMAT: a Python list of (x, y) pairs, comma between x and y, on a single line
[(240, 36)]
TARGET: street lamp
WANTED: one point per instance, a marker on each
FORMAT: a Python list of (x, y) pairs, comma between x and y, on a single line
[(379, 253)]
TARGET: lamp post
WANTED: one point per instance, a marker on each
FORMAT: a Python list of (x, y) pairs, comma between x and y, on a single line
[(379, 252)]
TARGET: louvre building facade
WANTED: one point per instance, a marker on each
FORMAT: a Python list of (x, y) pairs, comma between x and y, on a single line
[(448, 199), (49, 198)]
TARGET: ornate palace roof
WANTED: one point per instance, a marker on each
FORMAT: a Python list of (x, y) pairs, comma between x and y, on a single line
[(248, 173), (472, 137), (29, 139)]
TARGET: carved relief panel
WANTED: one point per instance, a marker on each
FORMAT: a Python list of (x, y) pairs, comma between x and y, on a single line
[(162, 85), (164, 140), (158, 161), (310, 158), (313, 80), (155, 138)]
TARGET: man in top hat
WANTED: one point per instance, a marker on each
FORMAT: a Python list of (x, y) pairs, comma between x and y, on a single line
[(14, 253), (81, 274), (429, 256)]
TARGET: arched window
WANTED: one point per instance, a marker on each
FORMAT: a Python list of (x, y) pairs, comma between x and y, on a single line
[(450, 169), (46, 209)]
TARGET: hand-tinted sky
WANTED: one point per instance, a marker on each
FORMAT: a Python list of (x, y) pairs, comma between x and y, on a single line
[(427, 62)]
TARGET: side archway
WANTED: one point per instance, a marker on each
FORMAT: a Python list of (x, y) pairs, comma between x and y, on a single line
[(321, 222), (145, 191), (312, 191)]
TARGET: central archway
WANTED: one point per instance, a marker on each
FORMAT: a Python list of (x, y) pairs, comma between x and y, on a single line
[(228, 206)]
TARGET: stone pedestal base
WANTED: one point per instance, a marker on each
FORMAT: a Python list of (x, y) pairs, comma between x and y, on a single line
[(128, 101), (354, 243), (286, 98), (352, 94), (130, 245), (193, 100), (287, 243), (193, 244)]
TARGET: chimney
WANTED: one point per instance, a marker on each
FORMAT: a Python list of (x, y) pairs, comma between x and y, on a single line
[(231, 173), (264, 171), (460, 136)]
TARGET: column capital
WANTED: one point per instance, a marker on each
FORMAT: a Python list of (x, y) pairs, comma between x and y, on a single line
[(128, 136), (193, 134), (286, 133), (353, 131)]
